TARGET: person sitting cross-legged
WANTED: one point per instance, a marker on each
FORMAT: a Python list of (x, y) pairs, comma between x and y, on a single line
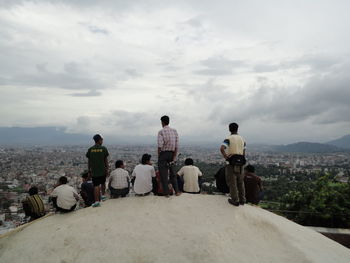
[(64, 196), (33, 205), (87, 190), (119, 181), (253, 185), (190, 174), (143, 174)]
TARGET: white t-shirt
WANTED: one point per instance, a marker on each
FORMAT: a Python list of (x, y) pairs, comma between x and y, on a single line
[(143, 174), (190, 174), (65, 196), (119, 178)]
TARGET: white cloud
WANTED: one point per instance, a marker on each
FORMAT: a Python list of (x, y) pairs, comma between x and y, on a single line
[(123, 64)]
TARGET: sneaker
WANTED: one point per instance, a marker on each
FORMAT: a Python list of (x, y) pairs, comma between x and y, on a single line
[(103, 198), (96, 204), (233, 202)]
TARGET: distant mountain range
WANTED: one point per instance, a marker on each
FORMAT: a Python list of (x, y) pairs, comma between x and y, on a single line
[(59, 136), (309, 147), (40, 136), (343, 142)]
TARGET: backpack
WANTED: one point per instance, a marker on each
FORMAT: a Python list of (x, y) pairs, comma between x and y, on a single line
[(220, 178)]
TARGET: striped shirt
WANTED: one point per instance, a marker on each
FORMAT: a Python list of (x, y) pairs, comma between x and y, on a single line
[(36, 205), (119, 179), (168, 139)]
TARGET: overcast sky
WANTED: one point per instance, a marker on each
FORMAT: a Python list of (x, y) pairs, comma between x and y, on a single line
[(281, 69)]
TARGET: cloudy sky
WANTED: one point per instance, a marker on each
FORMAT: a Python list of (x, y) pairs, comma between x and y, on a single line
[(281, 69)]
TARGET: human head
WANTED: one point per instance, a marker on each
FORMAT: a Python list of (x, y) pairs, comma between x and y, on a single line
[(165, 120), (85, 176), (146, 158), (233, 127), (63, 180), (250, 168), (33, 190), (119, 164), (98, 138), (189, 161)]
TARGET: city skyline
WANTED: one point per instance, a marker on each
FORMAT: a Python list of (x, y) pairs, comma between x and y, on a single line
[(279, 69)]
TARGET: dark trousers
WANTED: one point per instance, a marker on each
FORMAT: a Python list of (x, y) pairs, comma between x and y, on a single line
[(60, 209), (166, 171), (115, 193)]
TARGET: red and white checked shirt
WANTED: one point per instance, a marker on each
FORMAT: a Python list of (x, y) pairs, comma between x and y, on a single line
[(168, 139)]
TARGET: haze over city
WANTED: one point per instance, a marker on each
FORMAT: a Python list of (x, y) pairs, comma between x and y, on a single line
[(278, 68)]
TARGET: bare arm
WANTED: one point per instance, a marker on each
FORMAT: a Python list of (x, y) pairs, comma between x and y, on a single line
[(89, 169), (106, 166), (76, 196), (175, 154), (223, 152)]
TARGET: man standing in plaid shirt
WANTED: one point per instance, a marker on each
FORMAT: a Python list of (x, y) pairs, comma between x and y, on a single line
[(168, 145)]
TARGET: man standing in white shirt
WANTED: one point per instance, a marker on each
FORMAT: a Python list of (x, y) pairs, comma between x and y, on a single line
[(233, 150), (119, 181), (143, 174), (65, 196), (190, 175)]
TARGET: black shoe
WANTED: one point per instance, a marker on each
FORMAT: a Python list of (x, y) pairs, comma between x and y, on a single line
[(232, 202), (241, 203)]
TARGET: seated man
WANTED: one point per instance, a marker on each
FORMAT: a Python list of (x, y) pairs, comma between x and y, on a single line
[(64, 196), (190, 175), (87, 190), (33, 205), (119, 181), (143, 174), (253, 185)]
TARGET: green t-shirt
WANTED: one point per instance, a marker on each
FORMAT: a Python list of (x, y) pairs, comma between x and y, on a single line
[(97, 155)]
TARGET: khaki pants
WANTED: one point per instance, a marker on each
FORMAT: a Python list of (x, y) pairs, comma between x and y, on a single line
[(235, 181)]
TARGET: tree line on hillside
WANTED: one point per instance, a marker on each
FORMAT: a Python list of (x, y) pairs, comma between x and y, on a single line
[(314, 199)]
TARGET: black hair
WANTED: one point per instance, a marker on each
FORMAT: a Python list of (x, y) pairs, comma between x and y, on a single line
[(233, 127), (250, 168), (85, 174), (119, 163), (189, 161), (97, 137), (165, 119), (145, 158), (63, 180), (33, 190)]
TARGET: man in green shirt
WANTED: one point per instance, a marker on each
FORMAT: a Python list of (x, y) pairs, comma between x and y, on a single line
[(98, 168)]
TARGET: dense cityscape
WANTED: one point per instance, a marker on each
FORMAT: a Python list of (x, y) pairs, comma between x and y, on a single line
[(22, 167)]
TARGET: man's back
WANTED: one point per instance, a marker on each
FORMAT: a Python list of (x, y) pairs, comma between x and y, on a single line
[(168, 139), (252, 185), (143, 180), (190, 175), (87, 189), (65, 196), (235, 144), (120, 178), (36, 205), (97, 155)]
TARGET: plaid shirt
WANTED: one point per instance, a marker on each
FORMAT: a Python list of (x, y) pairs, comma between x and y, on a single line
[(120, 178), (168, 139)]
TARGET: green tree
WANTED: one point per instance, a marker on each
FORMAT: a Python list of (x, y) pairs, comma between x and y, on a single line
[(323, 203)]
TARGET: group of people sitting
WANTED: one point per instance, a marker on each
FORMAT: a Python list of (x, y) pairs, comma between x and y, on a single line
[(143, 180)]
